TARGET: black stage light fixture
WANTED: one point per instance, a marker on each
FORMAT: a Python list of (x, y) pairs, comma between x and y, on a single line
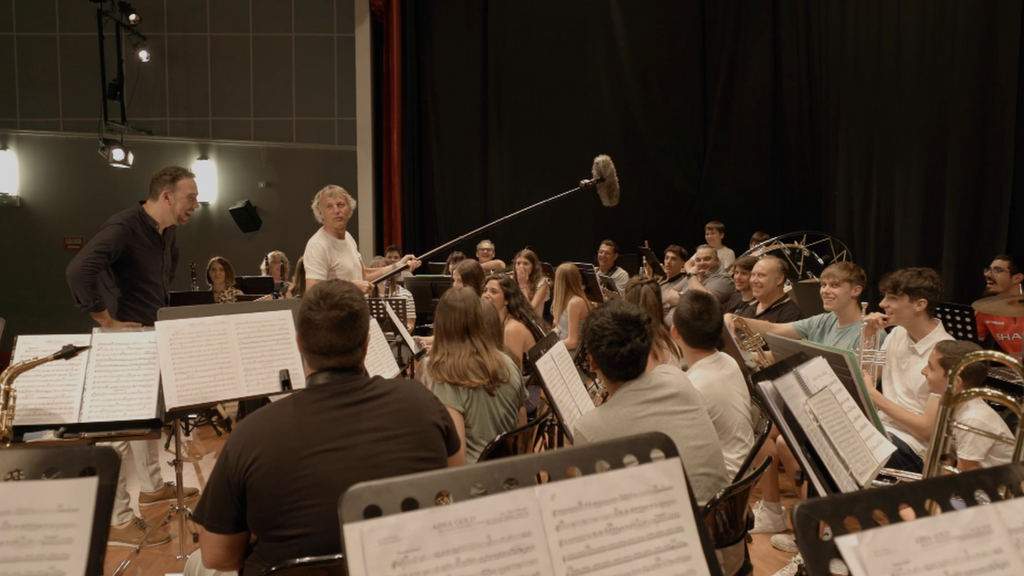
[(143, 53), (117, 154), (130, 15)]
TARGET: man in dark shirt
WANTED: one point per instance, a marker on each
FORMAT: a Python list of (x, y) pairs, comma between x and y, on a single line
[(771, 303), (138, 248), (284, 468)]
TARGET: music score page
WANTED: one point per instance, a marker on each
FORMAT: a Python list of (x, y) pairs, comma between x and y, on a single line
[(636, 520), (568, 392), (50, 393)]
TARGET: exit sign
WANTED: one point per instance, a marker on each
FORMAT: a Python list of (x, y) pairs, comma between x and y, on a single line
[(73, 242)]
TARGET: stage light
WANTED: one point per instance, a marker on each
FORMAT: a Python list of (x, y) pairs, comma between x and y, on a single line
[(143, 53), (117, 154), (8, 171), (130, 15), (206, 179)]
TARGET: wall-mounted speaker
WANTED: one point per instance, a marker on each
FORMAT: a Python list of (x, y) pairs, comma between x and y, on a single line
[(245, 216)]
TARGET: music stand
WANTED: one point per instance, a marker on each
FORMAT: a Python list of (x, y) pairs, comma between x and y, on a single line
[(394, 495), (436, 267), (652, 260), (999, 483), (48, 463), (813, 467), (255, 285), (380, 313), (591, 285), (532, 355), (189, 298), (426, 290), (958, 320)]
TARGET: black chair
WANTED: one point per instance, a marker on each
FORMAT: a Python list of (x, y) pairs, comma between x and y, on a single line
[(522, 440), (762, 427), (728, 520), (326, 565)]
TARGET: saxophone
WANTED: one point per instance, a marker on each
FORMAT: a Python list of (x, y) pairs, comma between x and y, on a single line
[(8, 395)]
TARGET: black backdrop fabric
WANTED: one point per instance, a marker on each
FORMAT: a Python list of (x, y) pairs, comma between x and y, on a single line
[(894, 125)]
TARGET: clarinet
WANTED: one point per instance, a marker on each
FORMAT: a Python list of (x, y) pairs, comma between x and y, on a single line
[(192, 269)]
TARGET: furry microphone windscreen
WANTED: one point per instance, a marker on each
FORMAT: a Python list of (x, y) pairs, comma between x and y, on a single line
[(608, 189)]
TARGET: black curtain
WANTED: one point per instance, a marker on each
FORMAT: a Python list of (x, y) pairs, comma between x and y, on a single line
[(893, 125)]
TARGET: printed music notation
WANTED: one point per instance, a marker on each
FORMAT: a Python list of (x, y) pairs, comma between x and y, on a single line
[(568, 392), (123, 379), (46, 526), (52, 392), (208, 360), (379, 359), (596, 525), (977, 541)]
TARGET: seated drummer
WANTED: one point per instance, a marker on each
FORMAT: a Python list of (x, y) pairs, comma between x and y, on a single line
[(618, 337), (485, 256), (771, 302), (282, 470), (1002, 278), (909, 305)]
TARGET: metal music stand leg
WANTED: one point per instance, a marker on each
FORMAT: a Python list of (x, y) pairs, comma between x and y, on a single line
[(179, 510)]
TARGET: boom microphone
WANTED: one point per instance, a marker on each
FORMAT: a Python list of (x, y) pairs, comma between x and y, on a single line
[(604, 179)]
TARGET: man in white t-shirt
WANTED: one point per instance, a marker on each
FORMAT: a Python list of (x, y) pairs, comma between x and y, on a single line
[(973, 451), (697, 326), (331, 253)]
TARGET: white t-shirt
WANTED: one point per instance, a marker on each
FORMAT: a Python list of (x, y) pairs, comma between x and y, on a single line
[(902, 381), (725, 257), (975, 447), (328, 258), (718, 379)]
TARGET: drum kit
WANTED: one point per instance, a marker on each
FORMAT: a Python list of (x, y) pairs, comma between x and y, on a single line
[(1011, 306)]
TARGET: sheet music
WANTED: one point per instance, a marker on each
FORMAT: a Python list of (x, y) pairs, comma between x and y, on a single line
[(1012, 513), (818, 375), (379, 359), (266, 345), (50, 393), (636, 520), (46, 526), (123, 380), (197, 361), (792, 392), (402, 330), (499, 535), (844, 437), (971, 542), (563, 381)]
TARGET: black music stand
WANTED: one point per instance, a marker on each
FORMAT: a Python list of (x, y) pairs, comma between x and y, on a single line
[(539, 349), (48, 463), (958, 320), (652, 260), (999, 483), (426, 291), (379, 313), (436, 267), (189, 298), (255, 285), (394, 495), (591, 285), (814, 470)]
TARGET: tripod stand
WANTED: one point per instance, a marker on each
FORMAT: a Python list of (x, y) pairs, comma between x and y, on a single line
[(177, 509)]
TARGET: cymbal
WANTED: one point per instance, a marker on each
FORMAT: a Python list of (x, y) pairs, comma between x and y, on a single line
[(1012, 305)]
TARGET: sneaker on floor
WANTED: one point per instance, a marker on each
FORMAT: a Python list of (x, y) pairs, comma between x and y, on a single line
[(766, 521), (794, 566), (785, 542), (165, 494), (838, 567), (132, 533)]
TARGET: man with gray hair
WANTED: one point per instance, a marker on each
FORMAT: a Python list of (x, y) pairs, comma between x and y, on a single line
[(485, 254), (704, 273), (332, 253)]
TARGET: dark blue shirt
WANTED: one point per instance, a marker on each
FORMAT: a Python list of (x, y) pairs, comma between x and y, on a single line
[(141, 261)]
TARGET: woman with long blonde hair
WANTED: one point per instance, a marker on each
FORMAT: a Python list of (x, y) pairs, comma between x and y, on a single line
[(645, 292), (480, 384), (570, 305)]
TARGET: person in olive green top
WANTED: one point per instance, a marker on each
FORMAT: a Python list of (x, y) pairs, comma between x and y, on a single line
[(472, 376)]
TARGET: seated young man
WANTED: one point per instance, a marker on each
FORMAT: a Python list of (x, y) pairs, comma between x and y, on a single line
[(283, 469), (744, 296), (1003, 278), (697, 326), (617, 337), (909, 305), (973, 451)]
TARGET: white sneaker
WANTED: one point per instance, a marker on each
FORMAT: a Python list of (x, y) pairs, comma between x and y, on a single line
[(766, 521), (838, 567), (795, 563), (785, 542)]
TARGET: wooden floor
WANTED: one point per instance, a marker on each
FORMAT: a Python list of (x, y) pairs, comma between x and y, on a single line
[(201, 452)]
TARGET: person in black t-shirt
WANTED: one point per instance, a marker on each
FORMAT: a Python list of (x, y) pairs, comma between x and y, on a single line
[(771, 303), (284, 468)]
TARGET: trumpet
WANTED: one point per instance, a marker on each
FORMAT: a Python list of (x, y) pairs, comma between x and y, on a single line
[(869, 354), (942, 435), (9, 396), (752, 342)]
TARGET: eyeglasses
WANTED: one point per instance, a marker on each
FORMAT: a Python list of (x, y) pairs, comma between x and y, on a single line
[(995, 270)]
